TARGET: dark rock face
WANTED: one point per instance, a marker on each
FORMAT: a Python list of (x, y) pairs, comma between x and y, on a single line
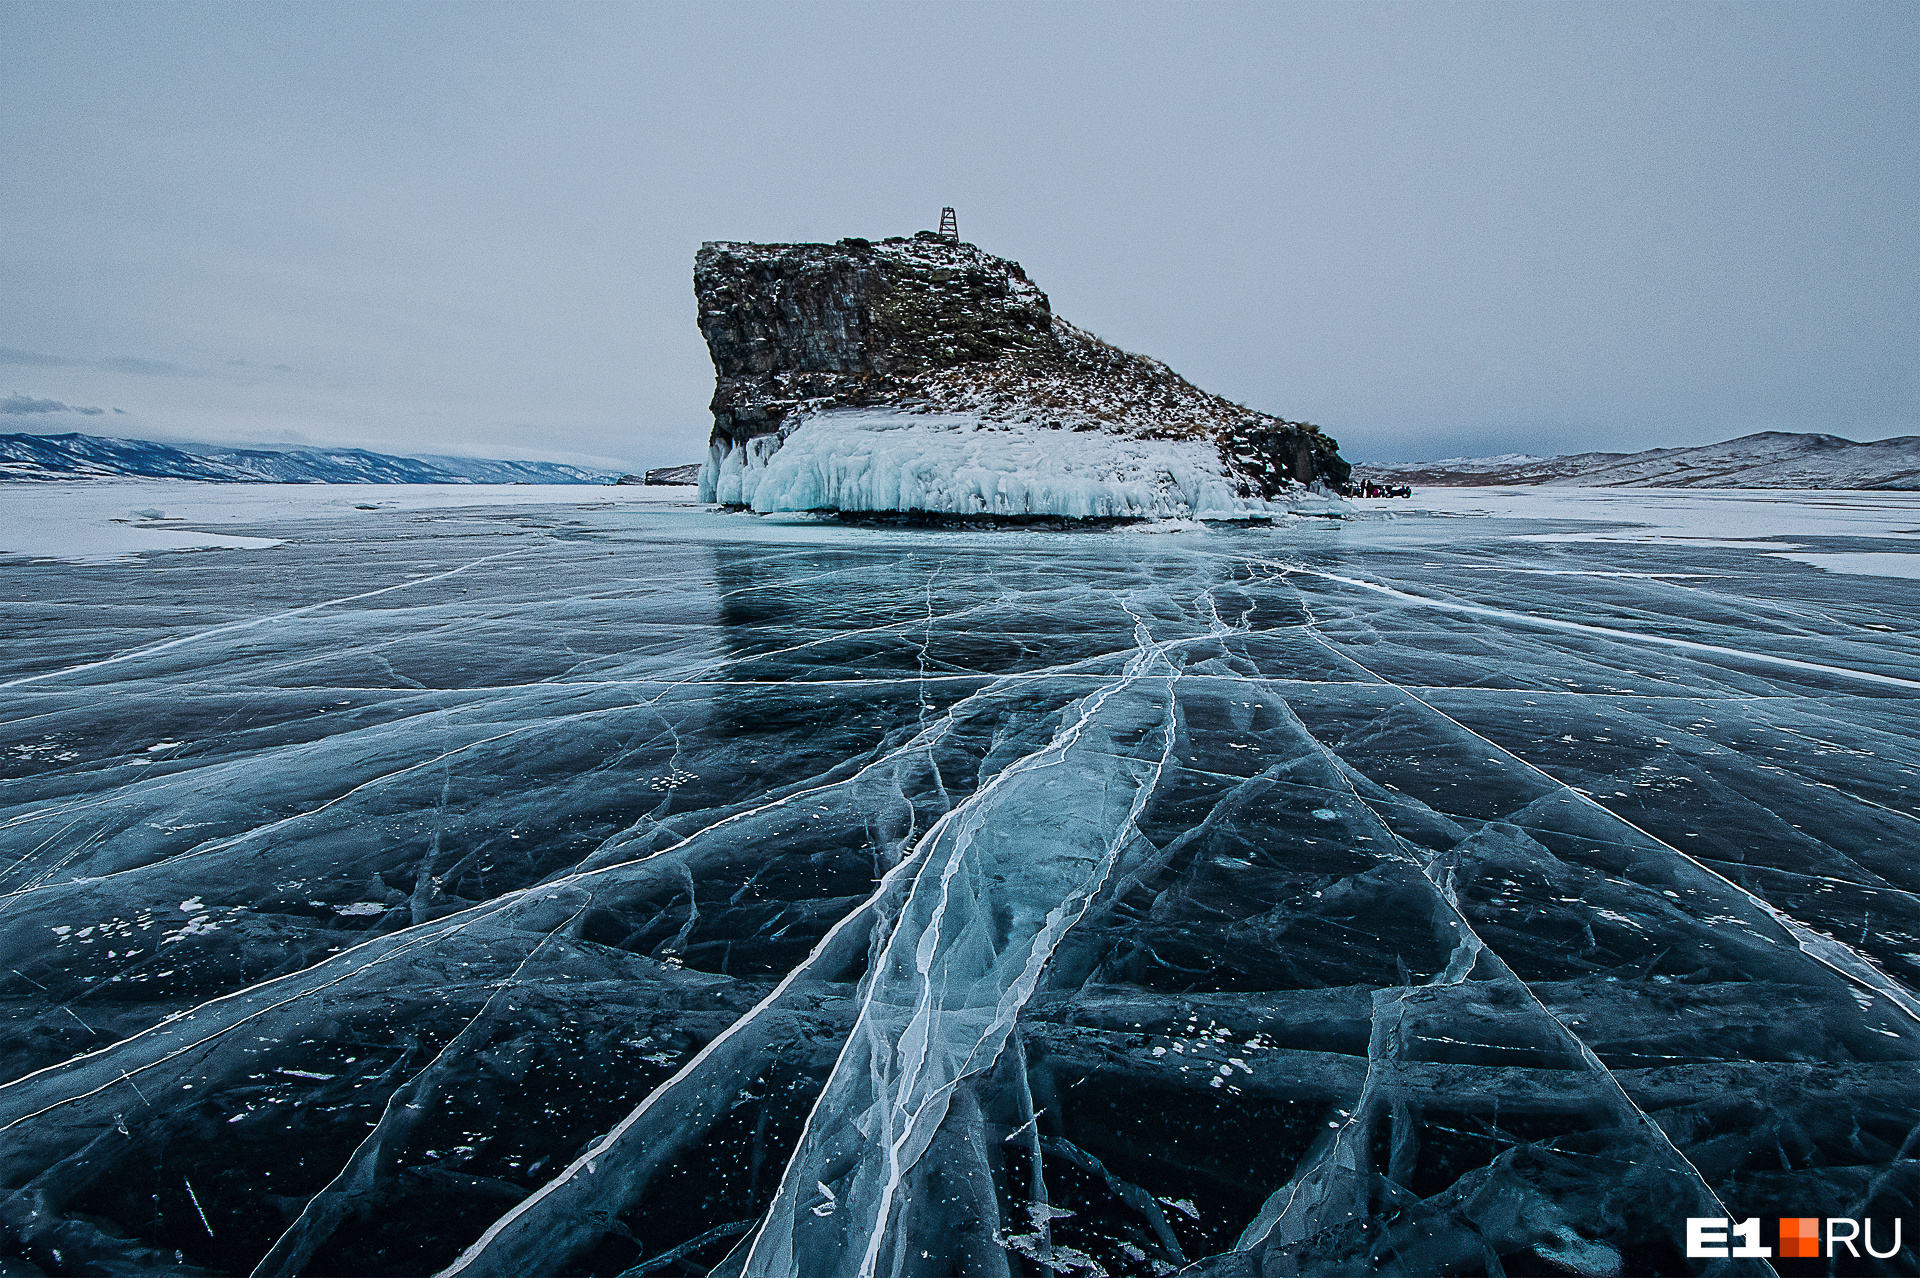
[(930, 324), (688, 474), (1269, 453), (851, 323)]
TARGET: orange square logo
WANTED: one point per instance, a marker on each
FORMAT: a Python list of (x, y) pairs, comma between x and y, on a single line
[(1799, 1235)]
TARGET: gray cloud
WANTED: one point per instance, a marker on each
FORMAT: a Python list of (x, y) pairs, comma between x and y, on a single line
[(34, 359), (145, 367), (113, 363), (17, 403)]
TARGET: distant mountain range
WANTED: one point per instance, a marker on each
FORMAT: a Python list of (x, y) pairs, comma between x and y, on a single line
[(77, 456), (1771, 459)]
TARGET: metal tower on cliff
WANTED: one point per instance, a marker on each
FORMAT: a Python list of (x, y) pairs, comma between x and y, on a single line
[(949, 226)]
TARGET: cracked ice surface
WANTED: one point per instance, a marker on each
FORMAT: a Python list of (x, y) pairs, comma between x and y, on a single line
[(583, 889)]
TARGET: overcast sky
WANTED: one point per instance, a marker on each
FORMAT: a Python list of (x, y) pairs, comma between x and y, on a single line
[(1435, 230)]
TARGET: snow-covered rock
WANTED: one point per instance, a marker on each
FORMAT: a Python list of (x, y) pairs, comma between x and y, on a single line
[(924, 374)]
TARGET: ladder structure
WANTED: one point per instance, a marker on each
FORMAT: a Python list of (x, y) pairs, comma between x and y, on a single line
[(949, 226)]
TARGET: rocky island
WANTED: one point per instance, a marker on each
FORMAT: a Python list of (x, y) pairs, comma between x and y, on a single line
[(924, 377)]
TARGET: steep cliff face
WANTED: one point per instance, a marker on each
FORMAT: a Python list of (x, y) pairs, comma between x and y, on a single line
[(928, 326), (854, 323)]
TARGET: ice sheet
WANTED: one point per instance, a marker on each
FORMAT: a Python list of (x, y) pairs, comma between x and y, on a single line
[(1655, 514), (1871, 563), (612, 886), (91, 521)]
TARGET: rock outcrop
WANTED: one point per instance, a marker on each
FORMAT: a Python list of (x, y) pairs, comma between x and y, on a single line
[(935, 327), (667, 475)]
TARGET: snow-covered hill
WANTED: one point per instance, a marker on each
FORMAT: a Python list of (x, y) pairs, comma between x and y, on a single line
[(1771, 459), (77, 456)]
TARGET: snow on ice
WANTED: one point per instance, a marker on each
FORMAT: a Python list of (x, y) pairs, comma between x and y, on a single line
[(107, 520)]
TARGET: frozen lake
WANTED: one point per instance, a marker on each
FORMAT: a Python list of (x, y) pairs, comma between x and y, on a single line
[(516, 881)]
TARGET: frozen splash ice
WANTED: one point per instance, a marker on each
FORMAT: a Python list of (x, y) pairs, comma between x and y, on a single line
[(855, 460), (632, 890)]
